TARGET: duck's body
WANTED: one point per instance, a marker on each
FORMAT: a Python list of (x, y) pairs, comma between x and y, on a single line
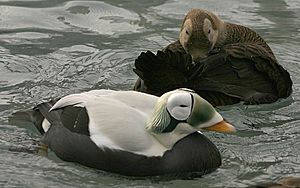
[(113, 131), (232, 63)]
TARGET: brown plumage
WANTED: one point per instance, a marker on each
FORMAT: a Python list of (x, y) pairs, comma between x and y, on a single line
[(232, 64), (286, 182), (202, 31)]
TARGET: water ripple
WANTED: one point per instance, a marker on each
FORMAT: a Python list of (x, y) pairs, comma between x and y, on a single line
[(76, 46)]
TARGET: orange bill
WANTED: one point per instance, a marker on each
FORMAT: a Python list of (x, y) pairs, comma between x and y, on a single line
[(222, 127)]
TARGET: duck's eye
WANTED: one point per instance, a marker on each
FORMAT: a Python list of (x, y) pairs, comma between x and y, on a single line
[(208, 31), (182, 105), (186, 32)]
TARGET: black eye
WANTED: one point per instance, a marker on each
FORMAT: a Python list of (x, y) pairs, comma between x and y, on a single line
[(186, 32), (208, 31), (182, 105)]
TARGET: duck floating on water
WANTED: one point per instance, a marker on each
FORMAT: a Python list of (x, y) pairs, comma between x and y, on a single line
[(223, 62), (133, 133)]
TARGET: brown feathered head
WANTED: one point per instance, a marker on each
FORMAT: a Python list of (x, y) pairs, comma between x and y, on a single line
[(199, 32)]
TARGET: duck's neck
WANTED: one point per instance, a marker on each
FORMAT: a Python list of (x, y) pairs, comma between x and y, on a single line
[(233, 33), (222, 35), (169, 139)]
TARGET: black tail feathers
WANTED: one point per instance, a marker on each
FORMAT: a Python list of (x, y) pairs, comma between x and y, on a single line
[(52, 116)]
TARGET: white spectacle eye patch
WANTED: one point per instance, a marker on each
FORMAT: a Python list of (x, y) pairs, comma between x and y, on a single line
[(179, 105)]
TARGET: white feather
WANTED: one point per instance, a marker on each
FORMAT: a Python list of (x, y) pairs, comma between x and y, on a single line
[(45, 125), (70, 100)]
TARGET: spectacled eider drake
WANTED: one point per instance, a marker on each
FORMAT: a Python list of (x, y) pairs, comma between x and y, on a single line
[(223, 62), (133, 133)]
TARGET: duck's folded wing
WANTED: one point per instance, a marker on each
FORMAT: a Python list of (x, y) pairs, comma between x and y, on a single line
[(162, 72), (238, 72), (244, 72), (264, 62), (175, 47)]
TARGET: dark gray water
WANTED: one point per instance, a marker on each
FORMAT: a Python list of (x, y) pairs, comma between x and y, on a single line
[(53, 48)]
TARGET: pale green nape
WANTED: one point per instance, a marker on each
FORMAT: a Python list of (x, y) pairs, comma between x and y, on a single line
[(160, 119), (203, 111)]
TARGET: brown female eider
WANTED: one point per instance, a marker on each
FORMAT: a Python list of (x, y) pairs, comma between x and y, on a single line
[(223, 62)]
